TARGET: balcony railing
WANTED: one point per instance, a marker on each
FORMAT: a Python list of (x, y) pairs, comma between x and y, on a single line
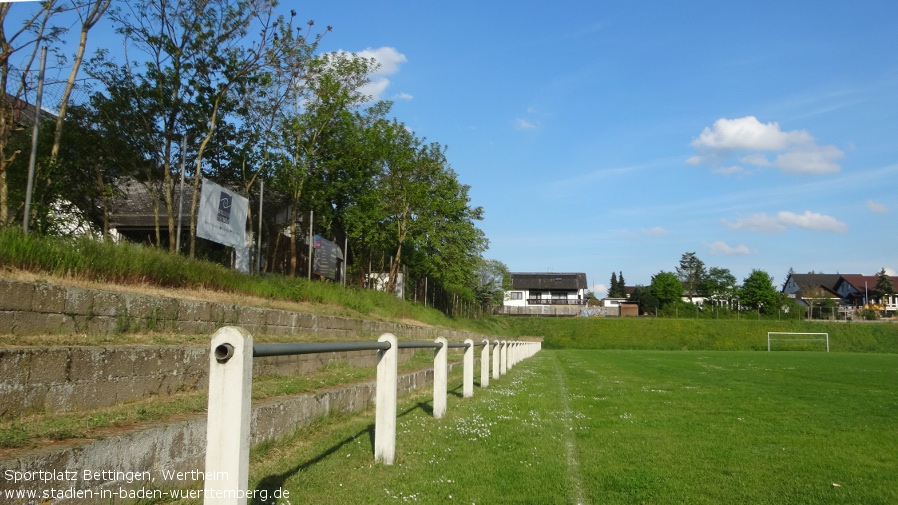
[(554, 301)]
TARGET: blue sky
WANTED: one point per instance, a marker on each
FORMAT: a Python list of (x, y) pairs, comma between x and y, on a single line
[(609, 137), (606, 137)]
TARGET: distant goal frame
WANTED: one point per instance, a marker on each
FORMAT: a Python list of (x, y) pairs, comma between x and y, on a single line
[(822, 337)]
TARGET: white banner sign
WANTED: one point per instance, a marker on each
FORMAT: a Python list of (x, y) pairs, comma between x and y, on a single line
[(222, 215)]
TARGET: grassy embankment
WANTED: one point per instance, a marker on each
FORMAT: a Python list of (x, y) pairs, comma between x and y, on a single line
[(138, 266), (703, 334)]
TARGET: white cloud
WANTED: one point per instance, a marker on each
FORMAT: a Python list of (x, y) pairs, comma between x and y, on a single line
[(656, 231), (784, 220), (812, 159), (403, 96), (389, 60), (748, 134), (735, 169), (876, 207), (749, 139), (523, 124), (758, 160), (722, 248)]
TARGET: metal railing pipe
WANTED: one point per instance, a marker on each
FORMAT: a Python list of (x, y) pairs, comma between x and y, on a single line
[(420, 345), (266, 350)]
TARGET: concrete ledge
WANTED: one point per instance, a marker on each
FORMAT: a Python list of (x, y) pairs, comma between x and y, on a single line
[(180, 446), (67, 379)]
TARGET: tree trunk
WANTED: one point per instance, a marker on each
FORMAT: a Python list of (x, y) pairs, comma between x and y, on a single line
[(292, 241), (94, 15)]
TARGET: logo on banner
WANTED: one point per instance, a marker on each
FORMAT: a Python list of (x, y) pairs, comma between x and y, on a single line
[(224, 208)]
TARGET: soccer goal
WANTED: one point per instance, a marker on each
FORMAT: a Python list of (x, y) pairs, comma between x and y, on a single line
[(783, 336)]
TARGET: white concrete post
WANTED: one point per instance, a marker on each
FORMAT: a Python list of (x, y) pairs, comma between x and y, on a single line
[(228, 421), (512, 347), (468, 371), (485, 364), (503, 364), (497, 350), (385, 417), (440, 377)]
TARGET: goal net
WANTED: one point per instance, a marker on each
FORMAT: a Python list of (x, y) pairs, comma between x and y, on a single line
[(797, 341)]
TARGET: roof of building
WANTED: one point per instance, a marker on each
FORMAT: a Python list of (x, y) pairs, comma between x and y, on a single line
[(548, 280), (861, 282), (828, 281), (134, 208)]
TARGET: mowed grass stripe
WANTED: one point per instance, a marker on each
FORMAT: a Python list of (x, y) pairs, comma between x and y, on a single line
[(644, 427), (717, 427)]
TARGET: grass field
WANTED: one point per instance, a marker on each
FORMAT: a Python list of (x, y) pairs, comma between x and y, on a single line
[(605, 427)]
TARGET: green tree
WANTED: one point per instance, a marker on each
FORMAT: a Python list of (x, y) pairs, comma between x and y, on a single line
[(19, 48), (648, 302), (493, 279), (666, 287), (618, 288), (692, 274), (759, 292), (720, 284), (331, 89), (884, 285)]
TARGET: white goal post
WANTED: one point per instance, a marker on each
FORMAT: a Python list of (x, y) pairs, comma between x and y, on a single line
[(796, 337)]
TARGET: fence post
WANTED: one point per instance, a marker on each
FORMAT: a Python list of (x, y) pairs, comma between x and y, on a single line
[(468, 372), (228, 421), (512, 347), (485, 364), (385, 417), (440, 377), (496, 353), (503, 364)]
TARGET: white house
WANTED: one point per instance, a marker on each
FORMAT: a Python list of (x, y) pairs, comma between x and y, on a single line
[(546, 289)]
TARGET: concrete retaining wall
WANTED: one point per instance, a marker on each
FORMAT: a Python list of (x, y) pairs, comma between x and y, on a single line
[(73, 378), (541, 310), (35, 308), (178, 446)]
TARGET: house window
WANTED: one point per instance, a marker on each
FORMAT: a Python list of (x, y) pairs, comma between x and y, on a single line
[(559, 295), (516, 295)]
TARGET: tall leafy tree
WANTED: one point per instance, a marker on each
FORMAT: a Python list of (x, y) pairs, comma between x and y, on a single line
[(332, 87), (720, 284), (89, 14), (19, 47), (648, 302), (613, 288), (492, 280), (236, 64), (666, 287), (759, 292), (691, 273)]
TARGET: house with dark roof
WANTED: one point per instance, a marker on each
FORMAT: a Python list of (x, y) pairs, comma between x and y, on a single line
[(811, 289), (549, 293), (859, 291), (850, 291)]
